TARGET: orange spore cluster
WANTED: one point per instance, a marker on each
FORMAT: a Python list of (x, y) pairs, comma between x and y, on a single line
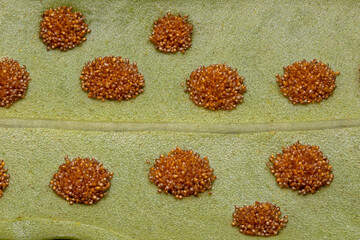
[(61, 28), (172, 33), (14, 81), (112, 78), (216, 87), (307, 82), (182, 173), (4, 177), (259, 219), (303, 168), (82, 180)]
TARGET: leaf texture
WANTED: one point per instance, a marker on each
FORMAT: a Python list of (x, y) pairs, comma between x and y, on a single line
[(258, 38)]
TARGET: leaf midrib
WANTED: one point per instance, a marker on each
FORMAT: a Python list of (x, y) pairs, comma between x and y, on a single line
[(220, 128)]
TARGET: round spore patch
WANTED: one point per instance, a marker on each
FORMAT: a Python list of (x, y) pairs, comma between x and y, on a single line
[(112, 78), (307, 82), (81, 180), (216, 87), (172, 33), (14, 81), (301, 167), (61, 28), (182, 173), (259, 219), (4, 177)]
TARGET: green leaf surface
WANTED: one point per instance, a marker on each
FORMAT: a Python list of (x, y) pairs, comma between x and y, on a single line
[(133, 209), (258, 38)]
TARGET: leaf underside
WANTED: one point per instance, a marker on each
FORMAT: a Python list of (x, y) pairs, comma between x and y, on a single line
[(256, 37)]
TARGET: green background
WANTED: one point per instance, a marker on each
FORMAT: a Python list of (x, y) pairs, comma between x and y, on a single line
[(258, 38), (133, 209)]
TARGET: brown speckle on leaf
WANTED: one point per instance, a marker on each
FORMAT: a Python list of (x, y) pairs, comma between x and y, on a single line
[(61, 28), (172, 33), (14, 81), (82, 180), (4, 177), (216, 87), (182, 173), (259, 219), (307, 82), (303, 168), (112, 78)]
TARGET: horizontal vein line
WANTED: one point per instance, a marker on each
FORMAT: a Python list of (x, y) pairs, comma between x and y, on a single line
[(221, 128), (61, 221)]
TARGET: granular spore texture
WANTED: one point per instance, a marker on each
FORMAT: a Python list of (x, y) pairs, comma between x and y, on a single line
[(82, 180), (259, 219), (172, 33), (4, 177), (307, 82), (62, 28), (14, 80), (112, 78), (182, 173), (216, 87), (303, 168)]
